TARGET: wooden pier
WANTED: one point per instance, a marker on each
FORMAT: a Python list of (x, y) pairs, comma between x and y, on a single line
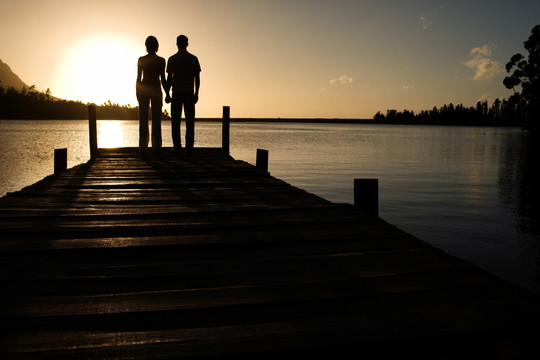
[(199, 255)]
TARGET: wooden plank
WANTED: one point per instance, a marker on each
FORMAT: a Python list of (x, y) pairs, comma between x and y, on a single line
[(202, 255), (263, 295), (222, 332)]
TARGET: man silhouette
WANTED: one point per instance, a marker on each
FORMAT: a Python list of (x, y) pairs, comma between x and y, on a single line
[(183, 71)]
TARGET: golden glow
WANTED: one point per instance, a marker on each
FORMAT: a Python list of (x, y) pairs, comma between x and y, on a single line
[(323, 61), (99, 68), (110, 134)]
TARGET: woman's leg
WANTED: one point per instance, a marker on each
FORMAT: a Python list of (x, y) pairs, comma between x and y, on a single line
[(157, 103), (144, 103)]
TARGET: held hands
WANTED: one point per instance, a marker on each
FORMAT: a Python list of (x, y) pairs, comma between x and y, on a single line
[(167, 98)]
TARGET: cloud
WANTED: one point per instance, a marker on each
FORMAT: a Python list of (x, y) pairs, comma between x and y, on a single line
[(430, 15), (486, 97), (424, 22), (343, 79), (484, 68), (484, 50), (407, 87)]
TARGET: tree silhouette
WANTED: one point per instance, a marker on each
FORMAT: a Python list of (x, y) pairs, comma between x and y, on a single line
[(32, 104), (526, 74), (501, 113)]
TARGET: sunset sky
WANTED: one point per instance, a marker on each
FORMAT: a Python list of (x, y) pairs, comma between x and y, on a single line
[(274, 58)]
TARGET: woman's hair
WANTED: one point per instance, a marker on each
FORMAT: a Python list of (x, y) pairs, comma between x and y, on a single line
[(151, 44)]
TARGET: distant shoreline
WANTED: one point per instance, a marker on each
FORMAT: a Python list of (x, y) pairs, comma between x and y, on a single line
[(369, 122), (324, 121)]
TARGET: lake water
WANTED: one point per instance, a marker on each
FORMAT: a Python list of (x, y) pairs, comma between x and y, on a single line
[(470, 191)]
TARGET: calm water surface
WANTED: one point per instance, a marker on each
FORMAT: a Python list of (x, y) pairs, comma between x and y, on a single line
[(469, 191)]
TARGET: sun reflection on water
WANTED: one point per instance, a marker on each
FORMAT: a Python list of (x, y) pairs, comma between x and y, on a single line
[(110, 134)]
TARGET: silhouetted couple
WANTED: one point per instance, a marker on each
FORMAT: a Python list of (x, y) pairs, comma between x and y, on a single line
[(183, 70)]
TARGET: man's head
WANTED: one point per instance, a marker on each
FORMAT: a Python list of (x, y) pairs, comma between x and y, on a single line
[(182, 42), (151, 44)]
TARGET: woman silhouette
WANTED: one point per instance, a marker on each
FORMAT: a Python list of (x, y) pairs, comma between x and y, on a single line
[(150, 79)]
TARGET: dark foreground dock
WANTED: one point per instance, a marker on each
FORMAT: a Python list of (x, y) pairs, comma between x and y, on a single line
[(201, 255)]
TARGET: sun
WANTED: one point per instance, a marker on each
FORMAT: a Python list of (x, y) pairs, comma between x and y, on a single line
[(100, 68)]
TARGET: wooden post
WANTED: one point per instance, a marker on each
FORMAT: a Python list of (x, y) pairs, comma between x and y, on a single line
[(366, 195), (226, 129), (92, 123), (262, 160), (60, 161)]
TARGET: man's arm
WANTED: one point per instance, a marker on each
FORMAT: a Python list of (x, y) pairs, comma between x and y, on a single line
[(197, 86)]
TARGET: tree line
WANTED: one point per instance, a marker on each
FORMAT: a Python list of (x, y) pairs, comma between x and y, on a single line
[(521, 109), (501, 112), (29, 103)]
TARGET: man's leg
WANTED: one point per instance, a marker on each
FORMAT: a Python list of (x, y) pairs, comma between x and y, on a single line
[(144, 103), (189, 109), (176, 116)]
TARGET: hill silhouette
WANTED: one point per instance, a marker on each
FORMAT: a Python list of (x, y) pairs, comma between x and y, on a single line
[(19, 101), (9, 79)]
